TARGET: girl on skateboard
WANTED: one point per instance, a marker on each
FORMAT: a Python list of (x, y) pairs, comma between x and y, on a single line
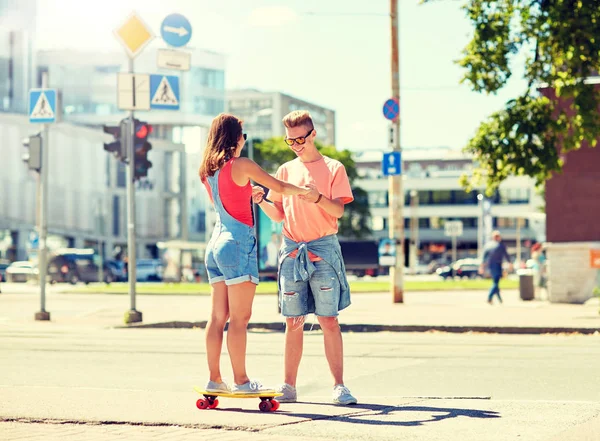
[(231, 260)]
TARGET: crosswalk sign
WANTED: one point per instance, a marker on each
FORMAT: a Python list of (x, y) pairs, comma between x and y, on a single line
[(164, 92), (391, 164), (42, 105)]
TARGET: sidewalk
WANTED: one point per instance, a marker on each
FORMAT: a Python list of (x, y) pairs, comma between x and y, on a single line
[(421, 311)]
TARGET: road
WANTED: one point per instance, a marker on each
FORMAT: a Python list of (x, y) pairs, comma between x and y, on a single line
[(73, 383)]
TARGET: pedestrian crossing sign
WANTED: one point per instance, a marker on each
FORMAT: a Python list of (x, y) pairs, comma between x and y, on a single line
[(164, 92), (42, 105)]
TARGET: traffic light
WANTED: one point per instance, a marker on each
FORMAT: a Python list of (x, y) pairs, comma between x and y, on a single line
[(119, 146), (141, 146), (33, 156)]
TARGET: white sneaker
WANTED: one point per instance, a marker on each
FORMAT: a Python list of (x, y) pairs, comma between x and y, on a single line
[(342, 395), (213, 386), (250, 387), (290, 395)]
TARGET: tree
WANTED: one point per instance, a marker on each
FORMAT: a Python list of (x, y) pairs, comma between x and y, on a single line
[(558, 112), (273, 152)]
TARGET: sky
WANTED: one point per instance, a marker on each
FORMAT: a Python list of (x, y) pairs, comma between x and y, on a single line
[(335, 53)]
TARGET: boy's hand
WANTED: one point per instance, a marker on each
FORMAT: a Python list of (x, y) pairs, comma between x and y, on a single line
[(312, 195), (258, 194)]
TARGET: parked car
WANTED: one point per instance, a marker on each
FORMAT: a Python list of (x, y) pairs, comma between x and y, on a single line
[(77, 265), (462, 268), (148, 270), (21, 271)]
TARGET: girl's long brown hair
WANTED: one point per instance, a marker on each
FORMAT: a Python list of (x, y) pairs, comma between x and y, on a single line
[(223, 137)]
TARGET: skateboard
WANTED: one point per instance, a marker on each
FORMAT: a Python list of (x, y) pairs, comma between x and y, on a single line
[(268, 403)]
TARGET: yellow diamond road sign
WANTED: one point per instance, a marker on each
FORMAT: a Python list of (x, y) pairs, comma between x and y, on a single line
[(134, 34)]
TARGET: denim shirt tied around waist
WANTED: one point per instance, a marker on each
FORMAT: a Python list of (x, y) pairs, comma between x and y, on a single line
[(327, 248)]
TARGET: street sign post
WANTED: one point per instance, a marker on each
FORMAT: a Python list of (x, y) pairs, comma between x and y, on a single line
[(176, 30), (172, 59), (391, 109), (164, 90), (391, 165), (453, 229), (133, 91), (42, 106), (134, 34)]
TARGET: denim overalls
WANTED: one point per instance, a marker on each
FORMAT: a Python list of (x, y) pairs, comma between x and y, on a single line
[(231, 252)]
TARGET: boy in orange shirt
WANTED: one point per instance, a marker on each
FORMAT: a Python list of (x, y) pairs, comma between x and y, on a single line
[(312, 276)]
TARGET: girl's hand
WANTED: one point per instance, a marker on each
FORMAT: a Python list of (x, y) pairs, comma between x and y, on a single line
[(258, 194)]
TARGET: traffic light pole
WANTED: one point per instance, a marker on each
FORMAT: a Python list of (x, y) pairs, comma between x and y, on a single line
[(43, 226), (131, 316), (396, 204)]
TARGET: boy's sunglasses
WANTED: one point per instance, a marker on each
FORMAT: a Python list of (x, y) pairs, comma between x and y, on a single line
[(299, 140), (245, 136)]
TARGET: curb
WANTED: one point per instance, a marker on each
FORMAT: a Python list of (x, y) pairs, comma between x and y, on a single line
[(280, 327)]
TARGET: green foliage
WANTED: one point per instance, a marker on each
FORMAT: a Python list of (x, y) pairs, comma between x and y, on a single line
[(273, 152), (561, 43)]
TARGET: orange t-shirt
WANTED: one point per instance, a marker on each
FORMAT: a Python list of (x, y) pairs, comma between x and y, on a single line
[(306, 221)]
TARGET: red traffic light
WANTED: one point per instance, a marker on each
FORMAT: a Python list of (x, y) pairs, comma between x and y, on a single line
[(143, 131)]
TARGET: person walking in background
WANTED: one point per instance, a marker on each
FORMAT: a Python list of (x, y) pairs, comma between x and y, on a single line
[(493, 256), (231, 260)]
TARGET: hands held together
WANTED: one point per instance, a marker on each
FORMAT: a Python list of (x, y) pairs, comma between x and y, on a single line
[(308, 193)]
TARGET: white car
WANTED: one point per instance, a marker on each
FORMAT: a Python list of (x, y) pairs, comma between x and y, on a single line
[(21, 271)]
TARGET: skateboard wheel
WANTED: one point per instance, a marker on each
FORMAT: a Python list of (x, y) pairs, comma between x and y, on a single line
[(214, 404), (274, 405), (265, 406), (202, 404)]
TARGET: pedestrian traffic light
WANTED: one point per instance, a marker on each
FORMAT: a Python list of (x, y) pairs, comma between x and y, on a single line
[(141, 147), (33, 155), (119, 146)]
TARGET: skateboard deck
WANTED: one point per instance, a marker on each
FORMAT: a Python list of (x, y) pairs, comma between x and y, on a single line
[(268, 403)]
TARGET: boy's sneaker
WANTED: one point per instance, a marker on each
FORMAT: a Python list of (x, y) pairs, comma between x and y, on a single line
[(289, 394), (342, 395), (213, 386), (250, 387)]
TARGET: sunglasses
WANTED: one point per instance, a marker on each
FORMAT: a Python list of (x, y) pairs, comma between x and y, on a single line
[(299, 140), (245, 136)]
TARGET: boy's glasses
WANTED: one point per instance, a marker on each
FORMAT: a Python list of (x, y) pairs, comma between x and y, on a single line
[(299, 140)]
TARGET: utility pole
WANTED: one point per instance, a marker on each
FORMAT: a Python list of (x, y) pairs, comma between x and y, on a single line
[(131, 316), (396, 204), (43, 214)]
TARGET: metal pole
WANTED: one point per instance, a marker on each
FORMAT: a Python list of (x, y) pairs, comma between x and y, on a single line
[(453, 253), (396, 216), (413, 232), (131, 316), (480, 226), (518, 259), (43, 228)]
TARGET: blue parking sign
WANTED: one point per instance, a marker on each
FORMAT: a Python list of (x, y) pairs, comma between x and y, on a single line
[(391, 164)]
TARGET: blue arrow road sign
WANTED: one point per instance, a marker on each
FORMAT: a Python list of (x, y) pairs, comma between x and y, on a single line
[(42, 105), (164, 92), (391, 109), (176, 30), (391, 164)]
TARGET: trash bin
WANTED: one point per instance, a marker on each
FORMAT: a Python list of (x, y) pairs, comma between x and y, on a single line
[(526, 288)]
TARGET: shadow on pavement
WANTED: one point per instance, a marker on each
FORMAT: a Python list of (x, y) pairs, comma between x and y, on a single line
[(437, 414)]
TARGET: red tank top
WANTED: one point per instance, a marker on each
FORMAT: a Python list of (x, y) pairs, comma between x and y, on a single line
[(235, 199)]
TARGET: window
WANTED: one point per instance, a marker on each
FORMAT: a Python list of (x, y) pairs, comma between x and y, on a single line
[(514, 196), (377, 223), (116, 216), (378, 199)]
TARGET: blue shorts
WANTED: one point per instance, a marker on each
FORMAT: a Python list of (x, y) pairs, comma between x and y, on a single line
[(294, 296), (231, 260)]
